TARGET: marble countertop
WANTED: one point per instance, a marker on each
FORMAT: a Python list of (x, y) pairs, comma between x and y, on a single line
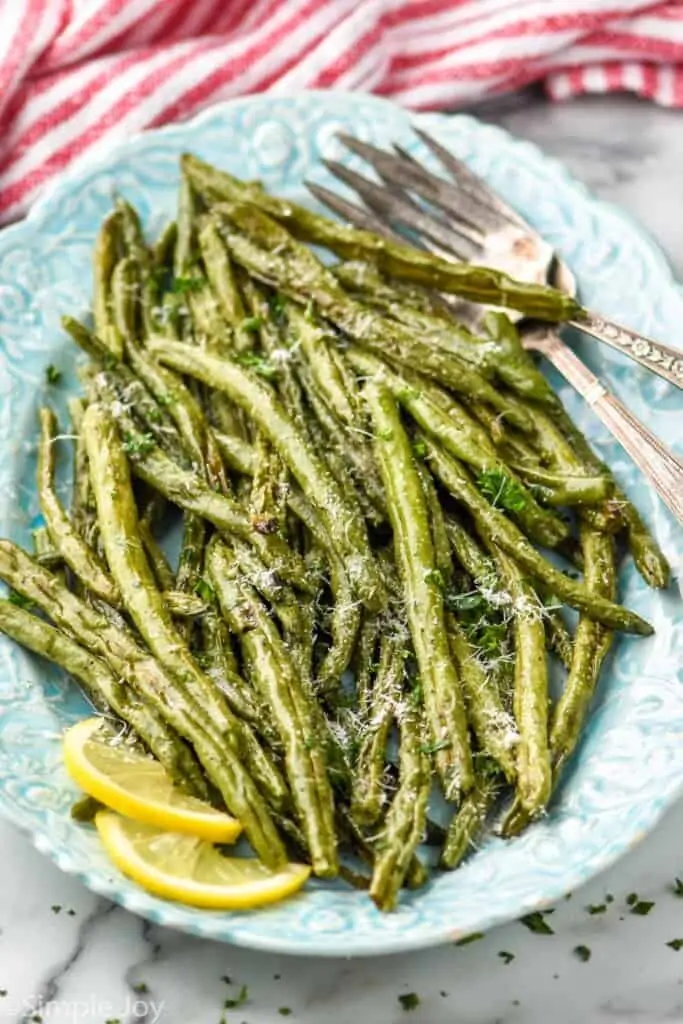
[(69, 956)]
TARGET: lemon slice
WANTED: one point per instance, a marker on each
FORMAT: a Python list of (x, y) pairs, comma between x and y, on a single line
[(127, 780), (189, 870)]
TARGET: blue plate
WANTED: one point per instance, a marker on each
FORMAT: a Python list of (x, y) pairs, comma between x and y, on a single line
[(630, 763)]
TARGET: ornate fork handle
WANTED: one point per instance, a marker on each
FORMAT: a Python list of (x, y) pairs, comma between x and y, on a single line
[(661, 467), (660, 359)]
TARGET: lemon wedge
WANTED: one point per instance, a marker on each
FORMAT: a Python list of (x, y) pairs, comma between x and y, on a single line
[(127, 780), (189, 870)]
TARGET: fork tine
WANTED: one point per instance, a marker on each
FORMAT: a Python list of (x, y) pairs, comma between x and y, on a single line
[(468, 180), (404, 170), (393, 203), (357, 215)]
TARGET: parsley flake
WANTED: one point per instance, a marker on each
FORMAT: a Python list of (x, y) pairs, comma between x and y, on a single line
[(284, 1011), (631, 899), (474, 937), (419, 449), (676, 944), (501, 490), (435, 576), (537, 923), (434, 748), (596, 908), (259, 364), (181, 285), (642, 908), (19, 600), (52, 374), (409, 1001), (56, 908), (140, 988), (232, 1004), (677, 887), (582, 953), (251, 323), (138, 444), (506, 957), (203, 589)]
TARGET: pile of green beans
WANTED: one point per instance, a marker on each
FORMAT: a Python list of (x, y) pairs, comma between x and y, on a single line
[(362, 610)]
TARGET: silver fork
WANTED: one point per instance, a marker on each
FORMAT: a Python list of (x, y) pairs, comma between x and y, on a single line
[(467, 221)]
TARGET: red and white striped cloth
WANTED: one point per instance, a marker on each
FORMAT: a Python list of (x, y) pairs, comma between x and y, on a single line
[(80, 74)]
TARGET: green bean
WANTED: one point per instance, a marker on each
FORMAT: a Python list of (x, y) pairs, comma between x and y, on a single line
[(563, 489), (334, 382), (497, 529), (267, 499), (220, 664), (478, 284), (469, 819), (437, 524), (185, 411), (558, 637), (190, 563), (347, 531), (220, 758), (76, 553), (164, 247), (476, 563), (414, 554), (118, 519), (293, 709), (368, 794), (189, 492), (534, 775), (364, 660), (107, 247), (185, 245), (237, 452), (407, 816), (590, 648), (223, 281), (161, 568), (497, 350), (448, 423), (492, 725), (133, 239), (43, 548), (346, 616), (271, 254), (102, 685), (125, 297)]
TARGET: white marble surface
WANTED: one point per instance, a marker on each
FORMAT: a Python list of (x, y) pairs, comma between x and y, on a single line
[(67, 956)]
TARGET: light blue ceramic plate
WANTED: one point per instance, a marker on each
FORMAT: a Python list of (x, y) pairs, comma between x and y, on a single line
[(630, 764)]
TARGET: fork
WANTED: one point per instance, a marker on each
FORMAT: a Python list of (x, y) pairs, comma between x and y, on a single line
[(466, 220)]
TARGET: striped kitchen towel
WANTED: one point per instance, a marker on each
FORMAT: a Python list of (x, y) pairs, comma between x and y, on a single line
[(80, 74)]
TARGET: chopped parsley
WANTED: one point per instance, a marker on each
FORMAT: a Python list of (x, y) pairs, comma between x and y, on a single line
[(203, 589), (284, 1011), (596, 908), (56, 908), (474, 937), (227, 979), (181, 285), (259, 364), (582, 953), (232, 1004), (631, 899), (434, 748), (52, 374), (19, 600), (676, 944), (506, 957), (435, 576), (677, 887), (537, 923), (416, 694), (501, 490), (409, 1001), (251, 324), (3, 993), (419, 449), (408, 394), (138, 444), (642, 907), (140, 988), (609, 898)]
